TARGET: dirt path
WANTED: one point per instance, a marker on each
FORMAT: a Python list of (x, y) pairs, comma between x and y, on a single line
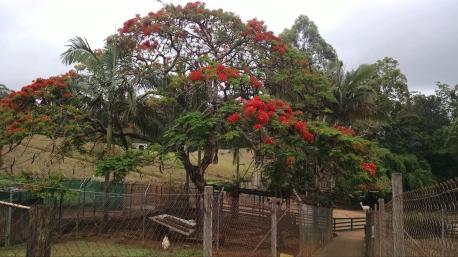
[(345, 244)]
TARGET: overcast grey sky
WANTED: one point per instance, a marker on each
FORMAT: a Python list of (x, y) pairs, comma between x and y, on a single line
[(421, 34)]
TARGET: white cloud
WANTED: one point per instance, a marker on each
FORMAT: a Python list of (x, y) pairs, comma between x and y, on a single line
[(34, 33)]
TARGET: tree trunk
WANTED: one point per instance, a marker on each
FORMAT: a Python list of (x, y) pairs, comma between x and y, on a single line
[(109, 140), (196, 172)]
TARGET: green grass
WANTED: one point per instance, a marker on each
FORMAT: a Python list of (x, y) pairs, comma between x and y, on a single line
[(96, 249)]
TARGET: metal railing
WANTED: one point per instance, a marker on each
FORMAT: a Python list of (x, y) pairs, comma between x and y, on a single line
[(423, 222), (343, 224)]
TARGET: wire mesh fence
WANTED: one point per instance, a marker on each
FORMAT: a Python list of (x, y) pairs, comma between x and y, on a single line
[(147, 220), (423, 222), (110, 224)]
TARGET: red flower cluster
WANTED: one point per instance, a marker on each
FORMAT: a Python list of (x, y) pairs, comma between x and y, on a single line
[(129, 25), (233, 118), (345, 131), (370, 168), (197, 7), (219, 72), (256, 30), (257, 126), (13, 128), (255, 82), (44, 118), (302, 129), (264, 111), (268, 140), (196, 75), (38, 88)]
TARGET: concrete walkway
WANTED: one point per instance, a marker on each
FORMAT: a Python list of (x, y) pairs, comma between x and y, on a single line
[(345, 244)]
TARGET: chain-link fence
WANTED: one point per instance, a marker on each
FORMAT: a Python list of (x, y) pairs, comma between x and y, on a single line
[(423, 222), (150, 220), (85, 223)]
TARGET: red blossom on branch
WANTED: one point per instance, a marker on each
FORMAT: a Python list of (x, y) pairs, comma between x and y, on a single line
[(250, 111), (345, 131), (370, 168), (257, 126), (255, 82), (261, 112), (196, 75), (233, 118), (263, 117), (268, 140), (284, 120)]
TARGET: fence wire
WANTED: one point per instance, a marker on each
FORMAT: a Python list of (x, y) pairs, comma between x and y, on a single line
[(111, 224), (427, 224), (135, 223)]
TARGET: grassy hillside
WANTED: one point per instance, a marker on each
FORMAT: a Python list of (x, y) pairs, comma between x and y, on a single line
[(34, 156)]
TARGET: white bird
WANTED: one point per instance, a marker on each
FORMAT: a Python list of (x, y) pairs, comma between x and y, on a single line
[(165, 243), (365, 207)]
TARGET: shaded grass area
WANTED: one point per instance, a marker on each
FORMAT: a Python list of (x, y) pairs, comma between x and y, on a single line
[(96, 249), (36, 158)]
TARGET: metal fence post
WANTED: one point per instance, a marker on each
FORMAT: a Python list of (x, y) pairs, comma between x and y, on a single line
[(207, 236), (273, 237), (381, 225), (398, 226)]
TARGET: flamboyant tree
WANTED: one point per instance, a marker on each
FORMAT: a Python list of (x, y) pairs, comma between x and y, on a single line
[(208, 57), (44, 107), (211, 64), (296, 153), (212, 80)]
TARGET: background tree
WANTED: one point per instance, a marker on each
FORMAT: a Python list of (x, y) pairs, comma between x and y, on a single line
[(304, 35), (4, 90)]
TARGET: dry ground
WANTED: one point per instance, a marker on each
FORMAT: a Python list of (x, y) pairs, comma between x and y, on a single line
[(34, 156), (345, 244)]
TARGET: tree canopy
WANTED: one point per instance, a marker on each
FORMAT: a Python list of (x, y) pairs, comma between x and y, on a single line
[(189, 79)]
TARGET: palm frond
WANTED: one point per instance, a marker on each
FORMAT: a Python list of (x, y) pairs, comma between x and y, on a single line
[(79, 51)]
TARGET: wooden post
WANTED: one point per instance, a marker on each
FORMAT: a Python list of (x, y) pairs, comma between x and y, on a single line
[(8, 222), (219, 217), (143, 218), (302, 246), (443, 229), (207, 236), (398, 226), (78, 213), (273, 238), (351, 224), (40, 227), (381, 225)]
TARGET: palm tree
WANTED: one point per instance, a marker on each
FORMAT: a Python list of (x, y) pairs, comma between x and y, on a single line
[(107, 91), (356, 99)]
